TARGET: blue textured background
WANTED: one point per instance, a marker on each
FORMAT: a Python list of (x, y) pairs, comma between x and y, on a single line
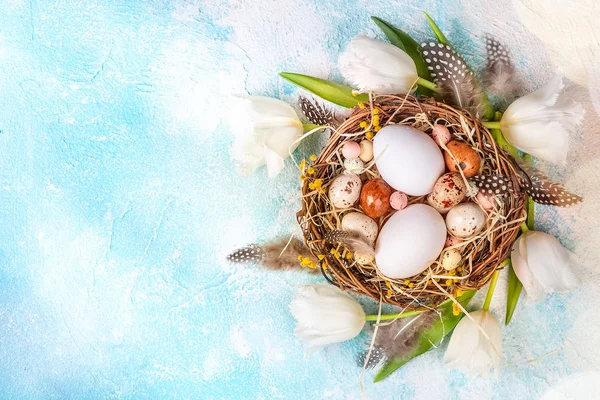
[(118, 204)]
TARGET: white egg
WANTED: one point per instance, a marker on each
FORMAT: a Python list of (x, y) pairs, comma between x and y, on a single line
[(353, 165), (345, 190), (361, 224), (465, 219), (408, 159), (410, 241)]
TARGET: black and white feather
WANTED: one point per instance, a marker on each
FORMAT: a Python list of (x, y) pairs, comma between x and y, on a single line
[(397, 339), (543, 191), (534, 183), (499, 76), (351, 240), (316, 113), (375, 358), (456, 83), (493, 185), (279, 254)]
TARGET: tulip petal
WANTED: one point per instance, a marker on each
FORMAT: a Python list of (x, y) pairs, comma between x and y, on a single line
[(326, 315), (265, 129), (549, 262), (469, 349), (274, 162), (519, 262), (539, 123), (372, 65), (548, 141)]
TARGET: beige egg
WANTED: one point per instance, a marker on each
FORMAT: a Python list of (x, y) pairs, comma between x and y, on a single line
[(448, 191), (451, 259), (345, 190), (364, 258), (366, 150), (361, 224), (465, 219), (353, 165)]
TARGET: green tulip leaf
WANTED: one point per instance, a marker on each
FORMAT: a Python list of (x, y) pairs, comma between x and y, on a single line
[(431, 337), (403, 41), (441, 38), (514, 290), (327, 90)]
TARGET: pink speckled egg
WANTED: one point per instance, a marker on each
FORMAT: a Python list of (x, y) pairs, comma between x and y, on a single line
[(440, 134), (351, 150), (486, 202), (452, 241), (398, 200)]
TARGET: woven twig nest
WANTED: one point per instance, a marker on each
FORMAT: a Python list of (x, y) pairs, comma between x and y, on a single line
[(481, 255)]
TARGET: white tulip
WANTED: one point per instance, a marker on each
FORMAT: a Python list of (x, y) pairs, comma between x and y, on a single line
[(371, 65), (326, 315), (265, 130), (469, 349), (539, 123), (542, 264)]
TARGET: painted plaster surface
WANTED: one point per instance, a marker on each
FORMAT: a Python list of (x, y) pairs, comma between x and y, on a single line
[(118, 202)]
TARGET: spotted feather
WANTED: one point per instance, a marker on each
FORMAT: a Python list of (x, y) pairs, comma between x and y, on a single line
[(375, 358), (543, 191), (278, 255), (316, 113), (351, 240), (499, 75), (493, 185), (456, 83)]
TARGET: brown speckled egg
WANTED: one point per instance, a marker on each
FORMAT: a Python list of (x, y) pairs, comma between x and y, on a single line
[(375, 198), (467, 158), (448, 191)]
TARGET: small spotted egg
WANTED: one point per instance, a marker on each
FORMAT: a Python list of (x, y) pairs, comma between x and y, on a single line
[(465, 220), (448, 191), (452, 241), (366, 150), (451, 259), (486, 202), (353, 165), (361, 224), (440, 134), (398, 200), (351, 150), (345, 190)]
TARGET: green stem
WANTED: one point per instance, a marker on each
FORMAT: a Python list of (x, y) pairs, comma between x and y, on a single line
[(387, 317), (310, 127), (524, 227), (490, 293), (427, 84), (491, 124)]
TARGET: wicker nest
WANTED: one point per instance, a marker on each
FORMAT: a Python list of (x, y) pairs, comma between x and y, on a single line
[(481, 255)]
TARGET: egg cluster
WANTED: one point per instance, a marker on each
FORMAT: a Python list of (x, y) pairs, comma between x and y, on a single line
[(415, 205)]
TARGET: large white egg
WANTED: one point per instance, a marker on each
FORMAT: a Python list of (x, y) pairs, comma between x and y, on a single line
[(410, 241), (408, 159)]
